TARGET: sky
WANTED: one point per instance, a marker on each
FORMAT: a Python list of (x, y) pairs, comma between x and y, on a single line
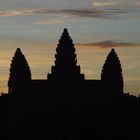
[(96, 26)]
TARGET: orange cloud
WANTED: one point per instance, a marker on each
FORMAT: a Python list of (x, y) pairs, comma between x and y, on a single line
[(108, 44)]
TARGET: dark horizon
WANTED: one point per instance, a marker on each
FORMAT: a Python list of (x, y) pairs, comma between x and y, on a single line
[(96, 27)]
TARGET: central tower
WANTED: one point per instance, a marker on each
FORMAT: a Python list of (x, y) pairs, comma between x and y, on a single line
[(65, 61)]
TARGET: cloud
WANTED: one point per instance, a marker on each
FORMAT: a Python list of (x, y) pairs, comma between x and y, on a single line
[(22, 12), (130, 5), (137, 3), (51, 21), (103, 4), (91, 13), (85, 13), (108, 44)]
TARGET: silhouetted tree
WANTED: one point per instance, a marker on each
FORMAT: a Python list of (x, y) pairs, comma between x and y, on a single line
[(112, 72), (66, 61), (19, 70)]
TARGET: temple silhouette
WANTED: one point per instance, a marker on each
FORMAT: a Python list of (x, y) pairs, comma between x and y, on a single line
[(65, 105)]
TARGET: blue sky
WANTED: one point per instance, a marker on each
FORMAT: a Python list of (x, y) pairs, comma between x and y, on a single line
[(96, 26)]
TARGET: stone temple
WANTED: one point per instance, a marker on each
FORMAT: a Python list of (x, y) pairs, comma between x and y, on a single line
[(65, 103)]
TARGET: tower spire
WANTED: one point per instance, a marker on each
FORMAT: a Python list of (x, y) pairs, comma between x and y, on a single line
[(65, 60), (19, 71), (112, 72)]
